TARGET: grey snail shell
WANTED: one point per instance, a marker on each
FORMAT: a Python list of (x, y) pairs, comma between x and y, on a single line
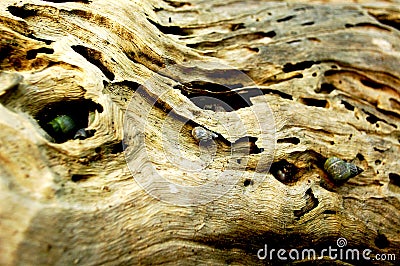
[(62, 124), (339, 170), (203, 135), (81, 134)]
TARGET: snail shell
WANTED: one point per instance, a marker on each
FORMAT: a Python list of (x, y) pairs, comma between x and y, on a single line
[(62, 124), (203, 135), (81, 134), (340, 170)]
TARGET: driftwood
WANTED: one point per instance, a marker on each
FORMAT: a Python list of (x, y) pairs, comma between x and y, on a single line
[(289, 84)]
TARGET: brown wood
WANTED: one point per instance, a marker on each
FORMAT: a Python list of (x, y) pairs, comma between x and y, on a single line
[(327, 70)]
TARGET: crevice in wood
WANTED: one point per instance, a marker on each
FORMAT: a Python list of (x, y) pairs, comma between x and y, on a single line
[(289, 67), (31, 54), (96, 58), (311, 203)]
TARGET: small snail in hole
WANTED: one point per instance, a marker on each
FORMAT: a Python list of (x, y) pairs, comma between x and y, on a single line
[(62, 124), (339, 170), (203, 135)]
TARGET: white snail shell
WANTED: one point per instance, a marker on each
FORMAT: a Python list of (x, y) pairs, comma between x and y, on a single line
[(203, 135)]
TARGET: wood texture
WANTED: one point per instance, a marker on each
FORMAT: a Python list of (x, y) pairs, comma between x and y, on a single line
[(327, 70)]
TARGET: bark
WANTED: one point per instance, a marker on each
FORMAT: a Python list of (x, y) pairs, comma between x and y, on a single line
[(283, 84)]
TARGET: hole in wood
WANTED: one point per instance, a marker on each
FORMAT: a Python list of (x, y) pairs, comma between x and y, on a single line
[(381, 241), (78, 178), (289, 67), (292, 140), (311, 203), (285, 19), (325, 88), (248, 182), (394, 179), (62, 120), (31, 54), (315, 102), (96, 58)]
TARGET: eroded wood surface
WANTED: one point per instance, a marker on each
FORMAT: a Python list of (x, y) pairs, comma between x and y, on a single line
[(329, 71)]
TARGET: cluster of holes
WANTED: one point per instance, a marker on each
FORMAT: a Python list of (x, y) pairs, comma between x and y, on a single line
[(77, 110)]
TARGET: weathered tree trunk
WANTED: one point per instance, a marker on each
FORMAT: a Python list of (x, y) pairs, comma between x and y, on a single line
[(283, 85)]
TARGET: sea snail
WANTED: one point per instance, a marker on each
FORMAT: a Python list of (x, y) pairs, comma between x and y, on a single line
[(201, 134), (341, 171), (62, 124)]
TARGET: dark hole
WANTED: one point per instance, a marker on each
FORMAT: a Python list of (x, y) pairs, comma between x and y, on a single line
[(77, 111), (298, 76), (360, 157), (348, 25), (381, 241), (284, 171), (78, 178), (308, 23), (205, 94), (174, 30), (314, 102), (314, 74), (325, 88), (392, 23), (311, 203), (371, 84), (332, 142), (96, 58), (177, 3), (350, 136), (285, 19), (238, 161), (248, 182), (117, 148), (378, 150), (277, 92), (378, 162), (21, 12), (293, 140), (254, 49), (237, 26), (246, 145), (372, 118), (394, 179), (347, 105), (329, 212), (97, 150), (31, 54), (289, 67)]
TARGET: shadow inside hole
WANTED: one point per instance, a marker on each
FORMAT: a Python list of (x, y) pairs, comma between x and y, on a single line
[(75, 114)]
